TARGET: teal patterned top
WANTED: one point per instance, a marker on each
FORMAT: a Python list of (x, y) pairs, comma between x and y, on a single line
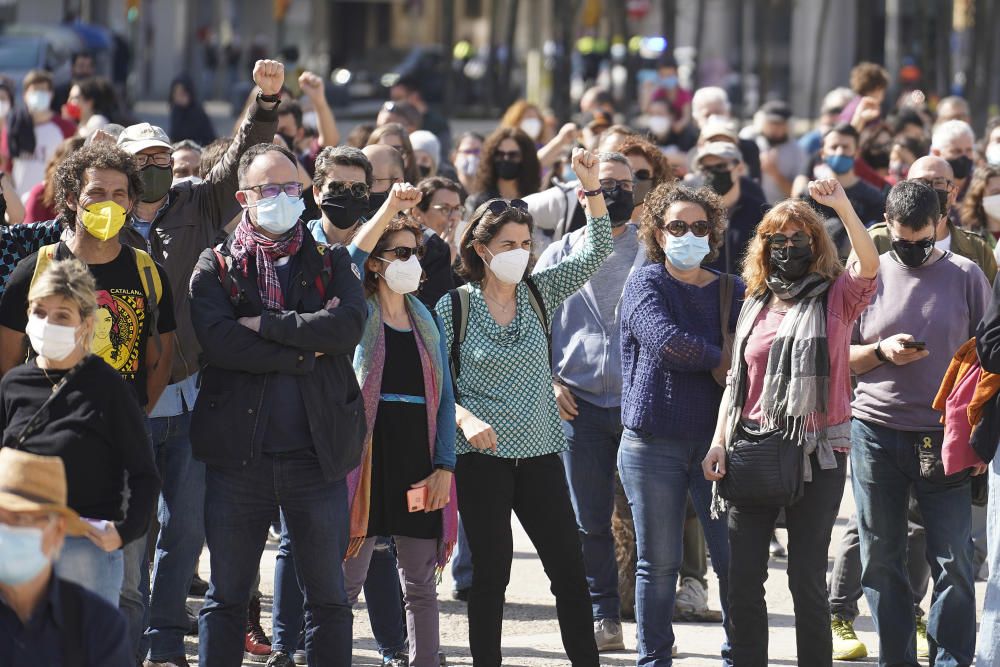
[(505, 378)]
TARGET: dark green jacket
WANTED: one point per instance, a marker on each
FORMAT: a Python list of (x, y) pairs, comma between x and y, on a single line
[(967, 244)]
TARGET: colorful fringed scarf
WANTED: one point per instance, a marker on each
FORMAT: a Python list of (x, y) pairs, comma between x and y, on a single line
[(369, 360)]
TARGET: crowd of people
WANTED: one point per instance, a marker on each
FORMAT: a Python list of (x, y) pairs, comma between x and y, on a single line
[(652, 338)]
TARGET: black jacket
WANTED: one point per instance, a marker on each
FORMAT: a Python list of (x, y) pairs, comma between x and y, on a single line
[(230, 415), (987, 432)]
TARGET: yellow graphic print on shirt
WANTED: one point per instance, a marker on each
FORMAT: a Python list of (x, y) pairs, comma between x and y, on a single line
[(119, 329)]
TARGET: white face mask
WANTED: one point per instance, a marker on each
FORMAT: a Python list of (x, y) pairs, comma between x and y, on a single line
[(991, 205), (194, 180), (658, 125), (310, 119), (4, 108), (38, 100), (468, 165), (532, 127), (509, 266), (993, 155), (52, 341), (403, 277)]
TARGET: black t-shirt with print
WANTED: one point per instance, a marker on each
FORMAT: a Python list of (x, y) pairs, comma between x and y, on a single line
[(121, 329)]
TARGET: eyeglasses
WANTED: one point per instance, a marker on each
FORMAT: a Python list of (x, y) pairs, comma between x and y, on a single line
[(159, 159), (404, 252), (469, 151), (643, 175), (798, 239), (447, 211), (391, 179), (612, 184), (940, 183), (268, 190), (513, 156), (357, 189), (699, 228), (717, 168)]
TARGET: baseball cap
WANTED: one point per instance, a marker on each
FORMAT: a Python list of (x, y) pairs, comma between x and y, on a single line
[(720, 149), (137, 138), (776, 111), (718, 128)]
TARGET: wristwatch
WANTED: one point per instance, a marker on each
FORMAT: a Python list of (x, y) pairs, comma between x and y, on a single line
[(879, 354), (593, 193), (271, 99)]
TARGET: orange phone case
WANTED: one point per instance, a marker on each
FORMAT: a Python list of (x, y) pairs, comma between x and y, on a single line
[(416, 499)]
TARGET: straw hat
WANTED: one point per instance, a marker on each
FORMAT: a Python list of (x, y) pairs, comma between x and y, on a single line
[(32, 483)]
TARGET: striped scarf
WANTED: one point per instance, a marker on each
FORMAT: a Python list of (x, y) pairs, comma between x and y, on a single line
[(369, 360), (250, 242)]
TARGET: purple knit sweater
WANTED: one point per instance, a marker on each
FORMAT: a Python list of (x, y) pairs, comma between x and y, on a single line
[(671, 340)]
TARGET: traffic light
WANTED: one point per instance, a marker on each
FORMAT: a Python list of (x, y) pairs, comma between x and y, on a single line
[(132, 10)]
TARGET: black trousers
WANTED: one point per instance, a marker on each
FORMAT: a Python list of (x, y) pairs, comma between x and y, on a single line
[(810, 523), (489, 488)]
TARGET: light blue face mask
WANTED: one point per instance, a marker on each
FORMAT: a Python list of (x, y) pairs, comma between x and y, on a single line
[(21, 555), (279, 214), (840, 164), (686, 252)]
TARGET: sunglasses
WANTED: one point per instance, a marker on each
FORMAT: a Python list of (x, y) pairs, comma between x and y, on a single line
[(513, 156), (923, 244), (798, 239), (404, 252), (357, 190), (268, 190), (498, 206), (699, 228)]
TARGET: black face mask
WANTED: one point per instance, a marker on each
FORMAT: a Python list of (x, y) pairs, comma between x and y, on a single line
[(877, 158), (620, 204), (913, 253), (776, 141), (156, 182), (289, 141), (424, 169), (375, 201), (506, 169), (942, 201), (791, 262), (962, 166), (720, 182), (344, 211)]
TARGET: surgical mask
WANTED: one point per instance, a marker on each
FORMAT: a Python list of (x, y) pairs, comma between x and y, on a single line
[(38, 100), (532, 127), (467, 165), (840, 164), (993, 155), (962, 166), (506, 169), (4, 108), (344, 211), (669, 82), (720, 182), (686, 252), (620, 204), (403, 277), (193, 180), (52, 341), (942, 196), (375, 201), (21, 555), (73, 111), (279, 214), (899, 170), (658, 125), (156, 183), (877, 158), (913, 254), (103, 220), (991, 205), (791, 262), (310, 119), (509, 266)]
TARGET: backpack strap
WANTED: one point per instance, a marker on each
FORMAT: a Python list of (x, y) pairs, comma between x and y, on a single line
[(224, 264), (71, 638), (152, 287), (459, 324), (538, 305)]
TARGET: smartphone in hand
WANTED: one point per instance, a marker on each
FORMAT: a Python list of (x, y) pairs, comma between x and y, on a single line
[(914, 345), (416, 499)]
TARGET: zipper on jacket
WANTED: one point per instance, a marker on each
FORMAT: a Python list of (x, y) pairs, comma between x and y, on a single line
[(256, 418)]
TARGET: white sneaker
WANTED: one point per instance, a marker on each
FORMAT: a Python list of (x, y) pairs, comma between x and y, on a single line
[(673, 651), (692, 598), (299, 657), (608, 635)]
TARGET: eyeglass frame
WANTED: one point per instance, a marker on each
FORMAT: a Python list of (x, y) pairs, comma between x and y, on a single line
[(259, 189), (420, 251), (664, 225), (349, 187), (143, 160)]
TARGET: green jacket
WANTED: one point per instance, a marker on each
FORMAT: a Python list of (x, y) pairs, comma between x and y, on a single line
[(967, 244)]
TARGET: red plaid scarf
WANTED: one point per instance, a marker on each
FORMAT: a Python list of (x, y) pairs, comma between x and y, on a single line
[(249, 242)]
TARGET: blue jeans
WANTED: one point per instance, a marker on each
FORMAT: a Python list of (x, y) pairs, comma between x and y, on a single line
[(239, 506), (989, 627), (182, 534), (461, 561), (383, 597), (99, 571), (657, 474), (593, 437), (885, 468)]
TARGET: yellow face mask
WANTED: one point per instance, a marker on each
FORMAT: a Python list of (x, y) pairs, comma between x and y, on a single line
[(103, 220)]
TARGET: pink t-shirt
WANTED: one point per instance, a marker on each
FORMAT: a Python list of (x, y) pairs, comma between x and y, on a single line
[(849, 296)]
